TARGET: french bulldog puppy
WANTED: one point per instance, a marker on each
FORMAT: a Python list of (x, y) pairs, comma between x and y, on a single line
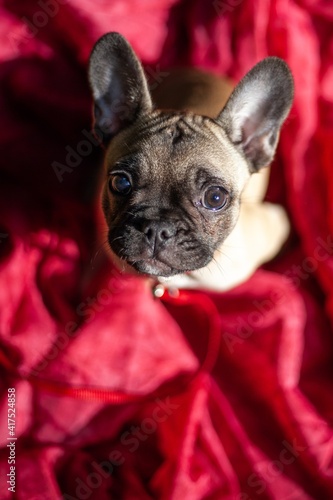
[(183, 181)]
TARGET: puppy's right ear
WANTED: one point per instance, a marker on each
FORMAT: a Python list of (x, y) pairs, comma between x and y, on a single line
[(118, 84)]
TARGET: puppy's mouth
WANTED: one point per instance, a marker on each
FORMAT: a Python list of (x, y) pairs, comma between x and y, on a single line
[(153, 267), (157, 265)]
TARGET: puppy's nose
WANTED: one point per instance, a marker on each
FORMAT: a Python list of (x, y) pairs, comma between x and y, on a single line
[(158, 232)]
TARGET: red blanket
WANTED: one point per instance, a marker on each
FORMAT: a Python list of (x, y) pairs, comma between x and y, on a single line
[(118, 395)]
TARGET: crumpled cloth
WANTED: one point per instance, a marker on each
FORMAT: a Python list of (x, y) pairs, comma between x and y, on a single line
[(120, 395)]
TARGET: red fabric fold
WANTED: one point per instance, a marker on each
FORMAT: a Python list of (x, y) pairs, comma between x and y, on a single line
[(120, 395)]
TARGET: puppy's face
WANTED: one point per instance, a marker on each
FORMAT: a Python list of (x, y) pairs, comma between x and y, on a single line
[(173, 180), (172, 197)]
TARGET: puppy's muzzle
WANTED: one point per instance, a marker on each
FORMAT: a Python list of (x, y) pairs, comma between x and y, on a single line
[(157, 246)]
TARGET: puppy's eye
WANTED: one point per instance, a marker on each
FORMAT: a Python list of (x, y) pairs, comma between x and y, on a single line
[(215, 198), (120, 184)]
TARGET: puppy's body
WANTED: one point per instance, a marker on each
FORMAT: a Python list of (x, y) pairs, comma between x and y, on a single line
[(176, 170)]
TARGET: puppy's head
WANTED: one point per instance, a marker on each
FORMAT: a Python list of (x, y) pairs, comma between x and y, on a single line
[(173, 180)]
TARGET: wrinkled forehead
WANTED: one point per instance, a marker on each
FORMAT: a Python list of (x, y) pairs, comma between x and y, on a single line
[(164, 141)]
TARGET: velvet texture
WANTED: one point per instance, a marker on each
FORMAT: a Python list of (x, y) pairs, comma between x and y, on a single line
[(120, 395)]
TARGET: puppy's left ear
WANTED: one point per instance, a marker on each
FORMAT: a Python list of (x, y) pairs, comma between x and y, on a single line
[(256, 110)]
